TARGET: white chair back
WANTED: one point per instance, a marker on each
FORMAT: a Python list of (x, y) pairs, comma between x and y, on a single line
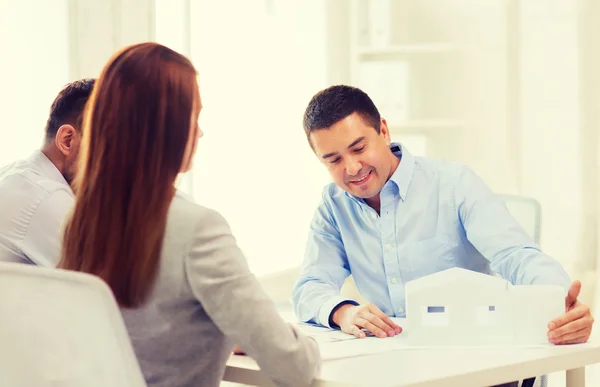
[(62, 329), (279, 286), (527, 212)]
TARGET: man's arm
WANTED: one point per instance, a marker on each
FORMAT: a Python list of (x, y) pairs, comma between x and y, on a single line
[(493, 231), (497, 235), (43, 241), (317, 292)]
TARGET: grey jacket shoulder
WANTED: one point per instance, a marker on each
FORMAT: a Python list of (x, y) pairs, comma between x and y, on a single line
[(185, 220), (185, 211), (208, 299)]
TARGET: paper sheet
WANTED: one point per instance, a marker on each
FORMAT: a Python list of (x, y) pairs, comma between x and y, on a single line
[(335, 344), (361, 347)]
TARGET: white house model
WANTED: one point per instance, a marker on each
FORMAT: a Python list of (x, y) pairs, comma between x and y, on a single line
[(459, 307)]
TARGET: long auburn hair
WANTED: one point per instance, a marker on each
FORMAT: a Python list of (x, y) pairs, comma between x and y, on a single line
[(135, 131)]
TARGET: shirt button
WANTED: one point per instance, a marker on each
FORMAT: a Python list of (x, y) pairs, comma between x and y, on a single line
[(388, 246), (401, 310), (374, 215), (394, 280)]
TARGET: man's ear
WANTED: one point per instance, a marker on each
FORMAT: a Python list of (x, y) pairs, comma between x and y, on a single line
[(384, 130), (64, 138)]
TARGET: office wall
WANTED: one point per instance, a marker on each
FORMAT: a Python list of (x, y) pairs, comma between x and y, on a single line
[(550, 127), (33, 67), (559, 128), (258, 67), (46, 44)]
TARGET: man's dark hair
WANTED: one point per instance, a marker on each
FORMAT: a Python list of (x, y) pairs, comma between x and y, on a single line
[(336, 103), (68, 106)]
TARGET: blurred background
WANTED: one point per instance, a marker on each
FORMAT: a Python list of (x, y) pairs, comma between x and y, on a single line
[(509, 87)]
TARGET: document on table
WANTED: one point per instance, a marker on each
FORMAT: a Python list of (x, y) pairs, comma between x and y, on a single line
[(323, 334), (335, 344)]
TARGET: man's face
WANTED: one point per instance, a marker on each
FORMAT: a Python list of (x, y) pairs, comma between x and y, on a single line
[(357, 157)]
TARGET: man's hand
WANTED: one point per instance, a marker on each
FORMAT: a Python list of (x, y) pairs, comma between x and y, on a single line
[(575, 326), (352, 318)]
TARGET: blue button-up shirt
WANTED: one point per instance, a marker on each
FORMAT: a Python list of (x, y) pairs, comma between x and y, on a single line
[(434, 215)]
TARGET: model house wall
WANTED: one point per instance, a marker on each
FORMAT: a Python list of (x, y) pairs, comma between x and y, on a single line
[(459, 307)]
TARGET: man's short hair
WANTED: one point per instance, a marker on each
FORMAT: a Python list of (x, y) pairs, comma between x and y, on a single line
[(68, 106), (336, 103)]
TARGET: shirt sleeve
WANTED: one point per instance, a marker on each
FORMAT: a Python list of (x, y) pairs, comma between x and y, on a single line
[(236, 303), (317, 292), (493, 231), (43, 239)]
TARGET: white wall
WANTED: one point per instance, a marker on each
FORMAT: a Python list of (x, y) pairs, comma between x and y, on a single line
[(551, 141), (258, 68), (33, 68), (260, 64), (559, 128), (99, 28), (589, 31), (46, 44)]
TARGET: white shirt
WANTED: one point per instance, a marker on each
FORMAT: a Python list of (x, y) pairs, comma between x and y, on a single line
[(34, 200)]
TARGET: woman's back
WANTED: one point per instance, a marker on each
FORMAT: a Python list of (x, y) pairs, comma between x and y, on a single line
[(183, 285), (203, 301)]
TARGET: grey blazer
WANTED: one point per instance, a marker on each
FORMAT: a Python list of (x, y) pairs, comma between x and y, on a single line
[(205, 300)]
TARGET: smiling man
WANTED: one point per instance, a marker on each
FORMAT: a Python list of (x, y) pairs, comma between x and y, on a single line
[(391, 217)]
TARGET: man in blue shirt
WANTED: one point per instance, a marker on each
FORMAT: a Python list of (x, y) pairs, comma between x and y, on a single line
[(391, 217)]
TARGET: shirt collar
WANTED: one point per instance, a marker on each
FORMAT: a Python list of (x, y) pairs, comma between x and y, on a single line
[(47, 167), (403, 174)]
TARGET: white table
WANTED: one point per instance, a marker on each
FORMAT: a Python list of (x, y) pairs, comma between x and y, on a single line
[(410, 367), (439, 367)]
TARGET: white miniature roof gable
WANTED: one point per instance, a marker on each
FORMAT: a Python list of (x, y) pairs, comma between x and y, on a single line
[(457, 274)]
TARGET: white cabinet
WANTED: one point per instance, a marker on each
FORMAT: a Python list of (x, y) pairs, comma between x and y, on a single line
[(442, 74)]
